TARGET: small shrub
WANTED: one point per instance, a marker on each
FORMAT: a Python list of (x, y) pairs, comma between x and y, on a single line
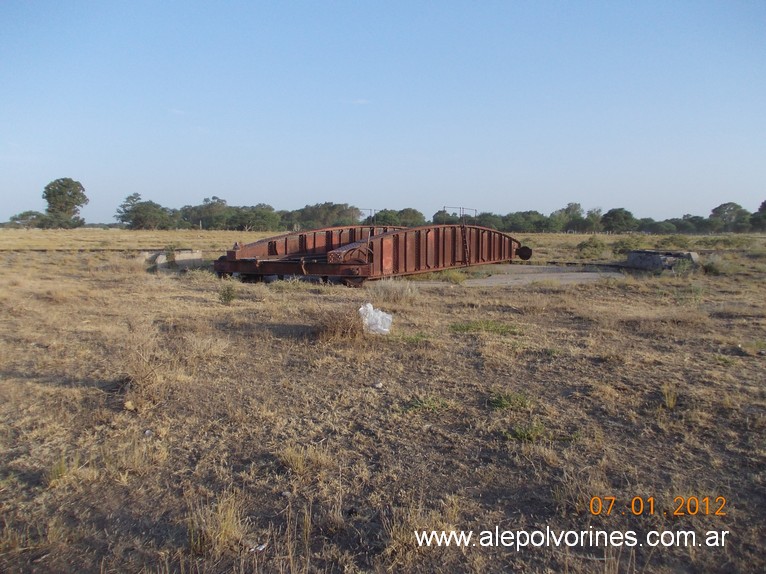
[(305, 462), (684, 267), (628, 243), (336, 324), (227, 293), (13, 540), (199, 276), (674, 241), (60, 469), (219, 527), (717, 266), (170, 254), (591, 248), (712, 268), (670, 395), (393, 291), (69, 469), (144, 361), (527, 432)]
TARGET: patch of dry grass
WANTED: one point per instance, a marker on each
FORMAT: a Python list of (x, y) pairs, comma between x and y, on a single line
[(341, 324), (219, 526), (389, 291), (145, 427)]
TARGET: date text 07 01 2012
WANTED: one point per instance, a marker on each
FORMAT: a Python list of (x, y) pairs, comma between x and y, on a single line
[(638, 506)]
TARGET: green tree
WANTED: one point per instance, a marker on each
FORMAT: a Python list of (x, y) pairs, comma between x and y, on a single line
[(593, 218), (692, 224), (525, 222), (27, 219), (410, 217), (569, 218), (573, 210), (491, 220), (646, 224), (261, 217), (619, 220), (214, 213), (65, 197), (730, 217), (442, 217), (138, 214), (326, 214), (124, 212), (578, 224), (384, 217), (151, 215), (557, 221), (288, 220), (539, 222), (758, 219)]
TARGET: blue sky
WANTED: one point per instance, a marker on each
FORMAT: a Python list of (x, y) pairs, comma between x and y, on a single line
[(658, 107)]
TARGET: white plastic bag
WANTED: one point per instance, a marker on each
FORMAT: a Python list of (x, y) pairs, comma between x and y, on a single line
[(375, 320)]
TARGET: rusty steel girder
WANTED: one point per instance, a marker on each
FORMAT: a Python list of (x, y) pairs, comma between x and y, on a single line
[(357, 253)]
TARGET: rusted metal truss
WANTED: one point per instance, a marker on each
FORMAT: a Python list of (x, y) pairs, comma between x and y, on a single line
[(357, 253)]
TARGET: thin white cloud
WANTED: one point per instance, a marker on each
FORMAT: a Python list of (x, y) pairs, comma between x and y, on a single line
[(177, 112)]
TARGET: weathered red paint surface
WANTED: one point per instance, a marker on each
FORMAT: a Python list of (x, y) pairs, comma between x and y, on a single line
[(357, 253)]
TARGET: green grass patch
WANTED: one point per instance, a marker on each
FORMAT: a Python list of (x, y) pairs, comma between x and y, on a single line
[(485, 326), (527, 432), (425, 403), (509, 400), (414, 339)]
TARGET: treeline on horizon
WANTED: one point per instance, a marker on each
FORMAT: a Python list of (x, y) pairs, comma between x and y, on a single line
[(216, 214)]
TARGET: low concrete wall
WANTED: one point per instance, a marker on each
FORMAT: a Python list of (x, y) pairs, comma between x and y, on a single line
[(181, 259), (650, 260)]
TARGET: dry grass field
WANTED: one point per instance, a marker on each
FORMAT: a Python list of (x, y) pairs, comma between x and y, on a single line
[(168, 422)]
